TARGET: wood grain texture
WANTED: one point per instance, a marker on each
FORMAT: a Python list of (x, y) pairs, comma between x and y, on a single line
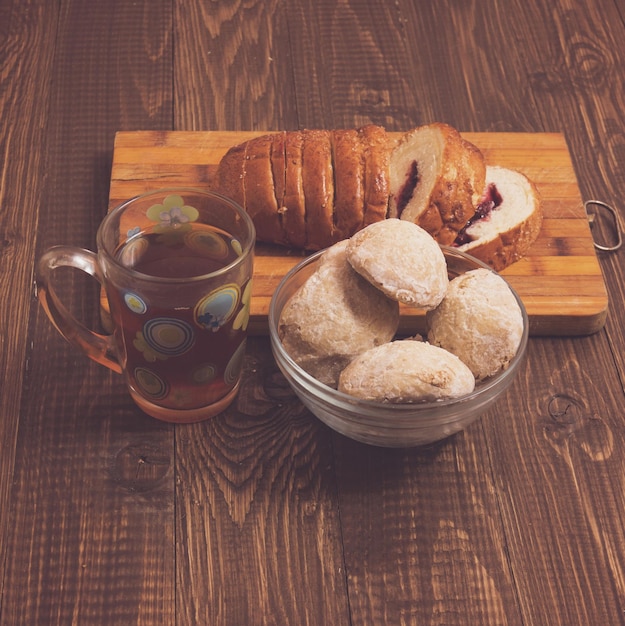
[(24, 89), (258, 530), (559, 281), (90, 533), (422, 555), (334, 91), (236, 55), (573, 81), (479, 82), (264, 516), (558, 448)]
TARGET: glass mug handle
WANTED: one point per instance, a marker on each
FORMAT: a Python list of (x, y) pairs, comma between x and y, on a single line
[(100, 348)]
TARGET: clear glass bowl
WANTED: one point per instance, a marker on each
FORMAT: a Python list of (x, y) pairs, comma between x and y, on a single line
[(384, 424)]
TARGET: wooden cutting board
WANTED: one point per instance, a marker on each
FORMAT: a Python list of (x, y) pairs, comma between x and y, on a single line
[(559, 281)]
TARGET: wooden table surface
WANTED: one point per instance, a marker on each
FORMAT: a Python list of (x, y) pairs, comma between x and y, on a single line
[(262, 515)]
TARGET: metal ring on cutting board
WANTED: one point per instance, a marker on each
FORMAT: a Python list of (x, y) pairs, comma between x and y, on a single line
[(617, 226)]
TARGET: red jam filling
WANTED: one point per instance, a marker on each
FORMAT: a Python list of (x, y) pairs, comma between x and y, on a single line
[(489, 202), (407, 190)]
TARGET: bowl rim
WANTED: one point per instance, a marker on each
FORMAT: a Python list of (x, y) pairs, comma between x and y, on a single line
[(350, 402)]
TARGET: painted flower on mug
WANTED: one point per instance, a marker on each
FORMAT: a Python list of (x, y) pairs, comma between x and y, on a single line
[(172, 213)]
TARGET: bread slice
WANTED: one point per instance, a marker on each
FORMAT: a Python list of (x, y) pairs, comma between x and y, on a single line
[(229, 175), (293, 209), (507, 221), (376, 173), (260, 197), (436, 180), (278, 169), (318, 181), (348, 166)]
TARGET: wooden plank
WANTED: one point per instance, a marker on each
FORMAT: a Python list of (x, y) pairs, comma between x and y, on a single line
[(144, 160), (258, 530), (258, 525), (553, 444), (92, 516), (26, 50)]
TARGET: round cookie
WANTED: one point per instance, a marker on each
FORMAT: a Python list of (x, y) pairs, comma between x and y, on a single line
[(406, 371), (333, 316), (402, 260), (479, 320)]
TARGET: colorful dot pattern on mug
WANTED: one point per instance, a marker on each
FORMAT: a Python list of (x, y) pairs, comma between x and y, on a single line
[(183, 358), (168, 336), (150, 383), (189, 355), (207, 243), (135, 303), (214, 310), (205, 373)]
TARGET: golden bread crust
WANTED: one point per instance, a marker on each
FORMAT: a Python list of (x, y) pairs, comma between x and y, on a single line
[(312, 188), (376, 174), (348, 165), (318, 181), (260, 197), (278, 167), (228, 179), (294, 207)]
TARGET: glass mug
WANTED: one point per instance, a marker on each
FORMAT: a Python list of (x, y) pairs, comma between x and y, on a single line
[(176, 267)]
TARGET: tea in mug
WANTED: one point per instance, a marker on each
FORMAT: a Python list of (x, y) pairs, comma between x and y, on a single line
[(181, 353)]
